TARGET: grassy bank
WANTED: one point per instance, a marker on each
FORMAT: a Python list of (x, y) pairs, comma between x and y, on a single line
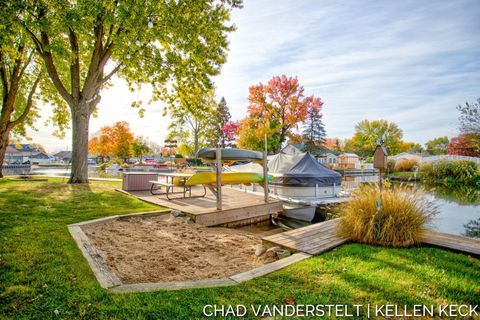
[(42, 270)]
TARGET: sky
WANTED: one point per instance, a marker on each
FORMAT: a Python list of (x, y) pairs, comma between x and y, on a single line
[(410, 62)]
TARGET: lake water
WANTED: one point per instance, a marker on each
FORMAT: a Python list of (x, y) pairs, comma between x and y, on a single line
[(459, 207)]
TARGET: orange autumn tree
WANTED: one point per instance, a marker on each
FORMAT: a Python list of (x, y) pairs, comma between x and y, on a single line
[(113, 141), (275, 109)]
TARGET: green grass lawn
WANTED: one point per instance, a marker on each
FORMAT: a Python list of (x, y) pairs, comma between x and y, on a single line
[(42, 270)]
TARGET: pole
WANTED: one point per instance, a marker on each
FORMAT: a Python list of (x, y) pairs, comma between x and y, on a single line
[(265, 172), (218, 158)]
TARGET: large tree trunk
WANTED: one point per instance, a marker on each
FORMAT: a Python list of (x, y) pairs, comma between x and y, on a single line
[(80, 122), (3, 147)]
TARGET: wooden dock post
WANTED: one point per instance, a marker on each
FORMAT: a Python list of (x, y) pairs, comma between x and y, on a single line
[(265, 172), (218, 159)]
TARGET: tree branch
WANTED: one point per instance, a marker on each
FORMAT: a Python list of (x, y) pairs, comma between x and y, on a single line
[(26, 63), (52, 70), (28, 107), (3, 75), (74, 64), (14, 78), (111, 73), (36, 41)]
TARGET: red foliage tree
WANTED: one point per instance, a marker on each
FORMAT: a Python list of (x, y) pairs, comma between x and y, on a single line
[(230, 132), (463, 146), (275, 109)]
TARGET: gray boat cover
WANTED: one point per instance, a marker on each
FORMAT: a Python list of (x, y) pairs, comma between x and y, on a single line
[(230, 154), (301, 169), (304, 171)]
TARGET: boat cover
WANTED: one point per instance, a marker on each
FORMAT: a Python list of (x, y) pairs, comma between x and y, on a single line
[(307, 171), (301, 169), (230, 154)]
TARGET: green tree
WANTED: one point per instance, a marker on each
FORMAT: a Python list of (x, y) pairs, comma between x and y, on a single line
[(368, 134), (222, 117), (140, 147), (191, 113), (313, 133), (83, 44), (437, 146), (21, 77)]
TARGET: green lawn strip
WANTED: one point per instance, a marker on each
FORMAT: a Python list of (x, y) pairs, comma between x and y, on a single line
[(44, 270)]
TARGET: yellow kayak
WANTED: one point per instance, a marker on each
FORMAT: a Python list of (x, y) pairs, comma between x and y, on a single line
[(227, 178)]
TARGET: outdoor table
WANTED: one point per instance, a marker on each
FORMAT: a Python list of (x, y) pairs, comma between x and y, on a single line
[(170, 185)]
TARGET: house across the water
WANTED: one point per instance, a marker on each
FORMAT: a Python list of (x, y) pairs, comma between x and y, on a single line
[(65, 156), (323, 155), (25, 153)]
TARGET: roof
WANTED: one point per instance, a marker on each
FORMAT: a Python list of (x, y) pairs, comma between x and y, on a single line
[(21, 148), (63, 154), (40, 155), (325, 150), (320, 151), (350, 155), (382, 148)]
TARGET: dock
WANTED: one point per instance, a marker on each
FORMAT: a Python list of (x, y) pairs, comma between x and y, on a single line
[(321, 237), (313, 239), (451, 241), (238, 207)]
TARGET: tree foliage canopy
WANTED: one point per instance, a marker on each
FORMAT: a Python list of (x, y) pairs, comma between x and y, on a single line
[(313, 133), (113, 141), (368, 134), (437, 146), (275, 109), (470, 117), (169, 45)]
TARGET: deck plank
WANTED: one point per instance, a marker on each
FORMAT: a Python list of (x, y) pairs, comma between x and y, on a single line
[(313, 239), (321, 237), (450, 241), (236, 205)]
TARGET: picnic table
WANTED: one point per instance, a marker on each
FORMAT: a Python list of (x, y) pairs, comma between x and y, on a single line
[(169, 185)]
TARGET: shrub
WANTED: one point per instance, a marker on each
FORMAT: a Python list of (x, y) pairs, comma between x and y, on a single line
[(399, 222), (104, 165), (451, 172), (406, 165)]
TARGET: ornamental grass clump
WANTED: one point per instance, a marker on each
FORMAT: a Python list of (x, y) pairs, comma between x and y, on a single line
[(398, 220), (406, 165)]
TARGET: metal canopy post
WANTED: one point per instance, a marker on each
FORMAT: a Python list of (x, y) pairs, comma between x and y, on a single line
[(265, 172), (218, 158)]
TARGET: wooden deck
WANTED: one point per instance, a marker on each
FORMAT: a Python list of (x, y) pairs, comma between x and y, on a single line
[(453, 242), (321, 237), (237, 206), (313, 239)]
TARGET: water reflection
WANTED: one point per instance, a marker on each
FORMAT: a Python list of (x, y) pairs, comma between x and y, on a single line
[(93, 172), (472, 228)]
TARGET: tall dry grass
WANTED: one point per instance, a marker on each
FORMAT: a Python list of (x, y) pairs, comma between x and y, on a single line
[(406, 165), (399, 222)]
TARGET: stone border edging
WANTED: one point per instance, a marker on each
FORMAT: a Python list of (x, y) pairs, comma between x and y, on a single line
[(109, 280)]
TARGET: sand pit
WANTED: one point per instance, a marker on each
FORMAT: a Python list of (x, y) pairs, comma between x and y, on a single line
[(164, 248)]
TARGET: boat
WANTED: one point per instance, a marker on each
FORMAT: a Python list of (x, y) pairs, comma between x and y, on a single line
[(227, 178), (301, 182), (229, 154)]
